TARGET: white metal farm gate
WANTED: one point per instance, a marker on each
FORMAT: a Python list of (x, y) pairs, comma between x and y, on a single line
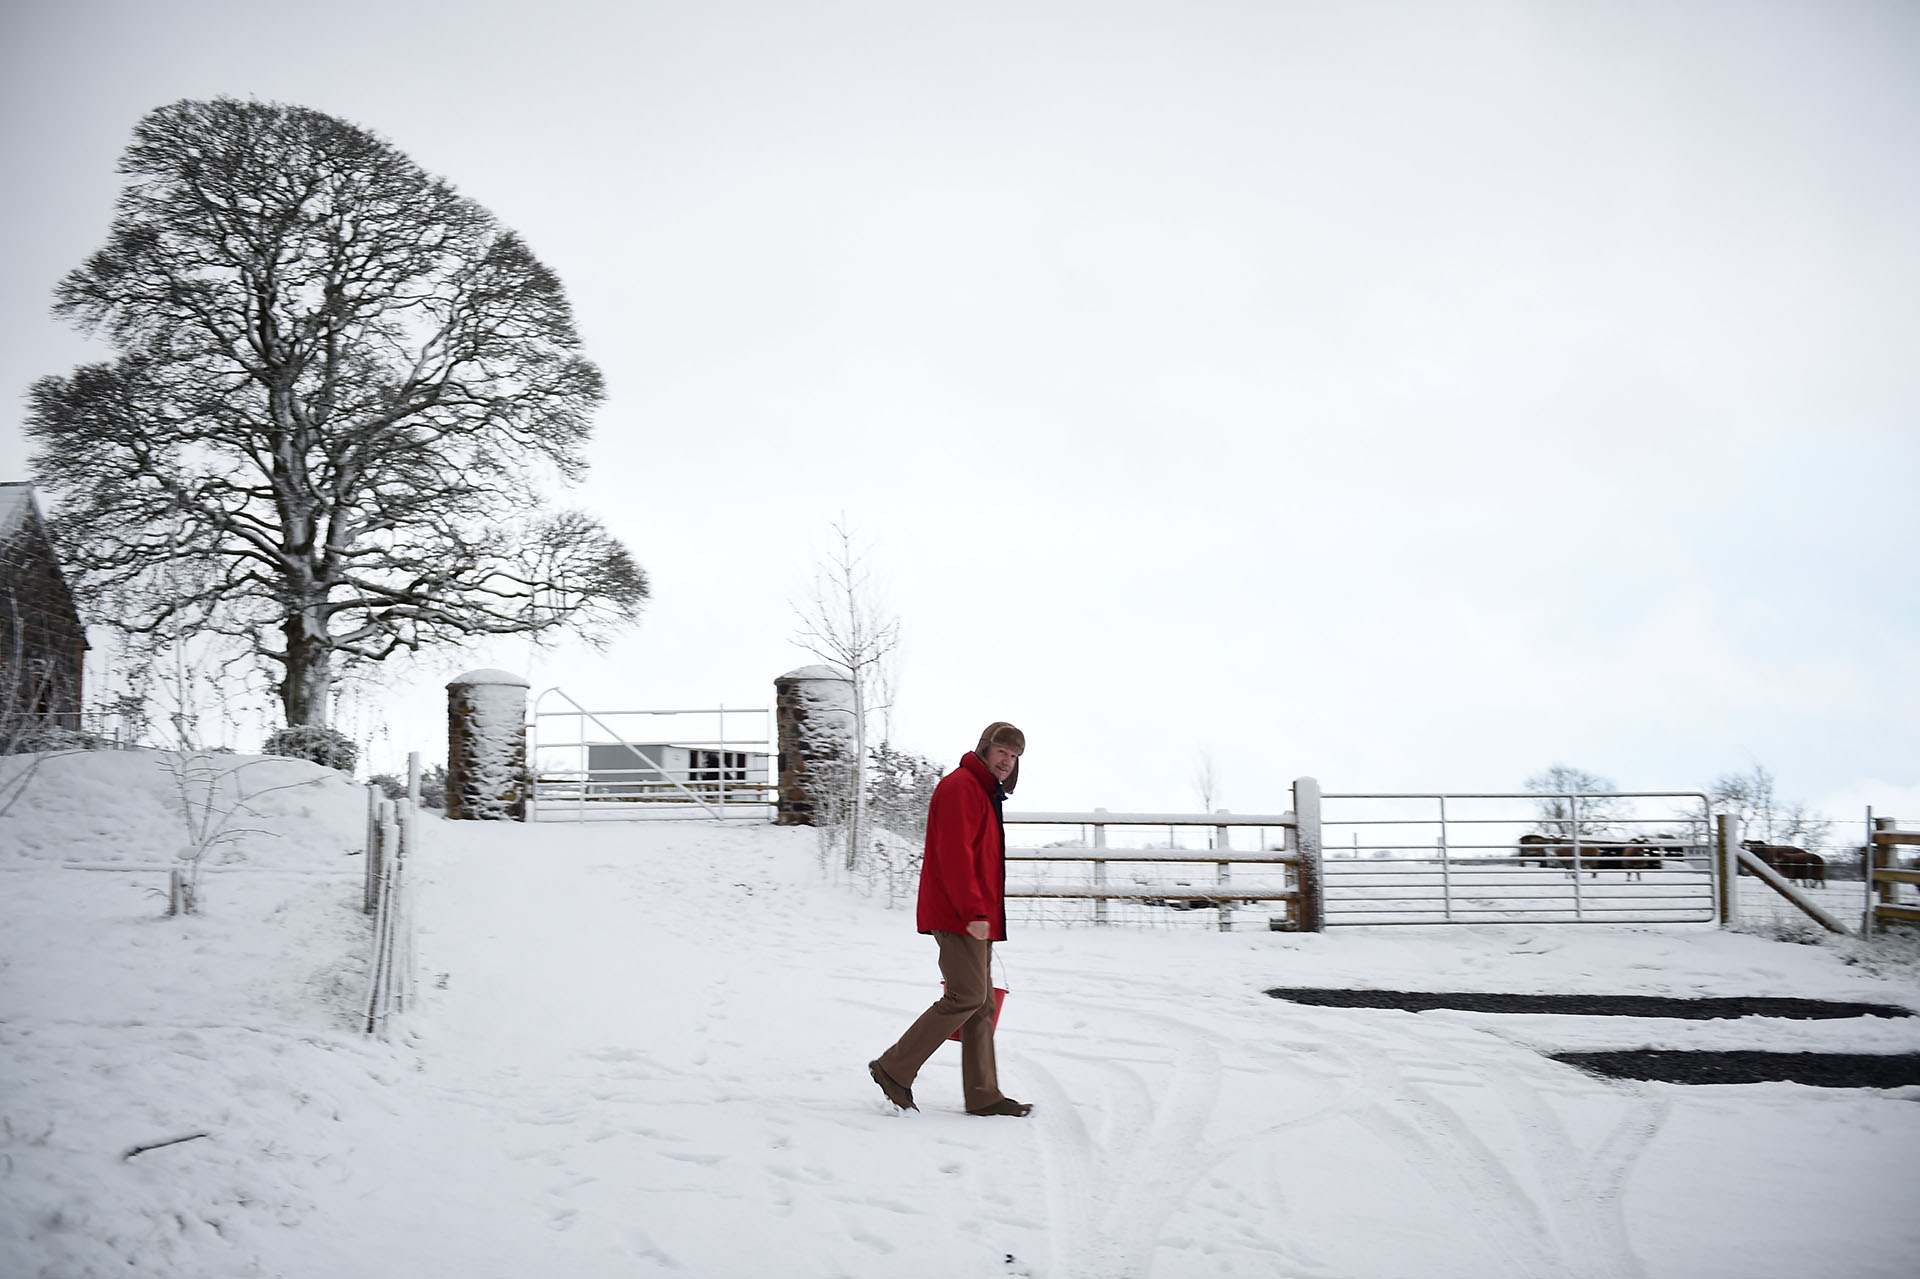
[(648, 764), (1518, 857)]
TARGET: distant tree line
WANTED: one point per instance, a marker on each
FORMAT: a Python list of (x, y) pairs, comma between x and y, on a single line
[(1576, 800)]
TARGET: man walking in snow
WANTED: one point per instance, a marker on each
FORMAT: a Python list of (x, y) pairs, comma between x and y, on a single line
[(963, 881)]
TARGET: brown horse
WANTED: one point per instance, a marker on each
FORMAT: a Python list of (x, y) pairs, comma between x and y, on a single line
[(1594, 855), (1796, 864)]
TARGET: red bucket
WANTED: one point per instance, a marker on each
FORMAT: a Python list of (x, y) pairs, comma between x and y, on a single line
[(999, 1002)]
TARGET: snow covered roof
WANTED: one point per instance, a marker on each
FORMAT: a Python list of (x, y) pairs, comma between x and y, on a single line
[(17, 507)]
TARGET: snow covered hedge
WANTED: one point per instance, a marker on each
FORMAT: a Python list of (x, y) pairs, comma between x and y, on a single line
[(323, 746)]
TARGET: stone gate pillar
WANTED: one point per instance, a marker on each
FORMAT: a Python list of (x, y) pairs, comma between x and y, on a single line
[(487, 747), (813, 717)]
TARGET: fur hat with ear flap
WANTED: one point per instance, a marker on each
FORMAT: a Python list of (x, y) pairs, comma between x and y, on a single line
[(1001, 733)]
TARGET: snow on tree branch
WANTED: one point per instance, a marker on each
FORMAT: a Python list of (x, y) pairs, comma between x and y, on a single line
[(339, 391)]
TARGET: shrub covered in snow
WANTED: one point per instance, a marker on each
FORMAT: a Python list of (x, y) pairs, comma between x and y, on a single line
[(42, 735), (323, 746), (899, 788), (433, 787)]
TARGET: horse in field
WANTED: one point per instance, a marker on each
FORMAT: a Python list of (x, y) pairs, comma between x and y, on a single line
[(1796, 864), (1595, 855)]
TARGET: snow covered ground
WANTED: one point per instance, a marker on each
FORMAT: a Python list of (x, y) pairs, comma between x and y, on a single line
[(640, 1050)]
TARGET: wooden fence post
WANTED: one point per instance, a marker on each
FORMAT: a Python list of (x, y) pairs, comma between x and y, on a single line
[(1727, 855), (1099, 873), (1223, 877), (1882, 859), (181, 898), (1306, 829), (370, 899)]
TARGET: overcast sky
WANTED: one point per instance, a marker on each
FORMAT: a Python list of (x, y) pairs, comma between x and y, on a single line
[(1411, 395)]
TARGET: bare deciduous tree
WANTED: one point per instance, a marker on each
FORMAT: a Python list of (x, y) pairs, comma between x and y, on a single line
[(1572, 800), (1206, 784), (844, 625), (341, 395), (1750, 796), (1747, 795)]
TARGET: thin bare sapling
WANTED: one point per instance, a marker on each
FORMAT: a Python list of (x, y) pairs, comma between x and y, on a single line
[(844, 625), (212, 795)]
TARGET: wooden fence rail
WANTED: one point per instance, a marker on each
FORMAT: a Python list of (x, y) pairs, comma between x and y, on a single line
[(1305, 909), (1883, 877)]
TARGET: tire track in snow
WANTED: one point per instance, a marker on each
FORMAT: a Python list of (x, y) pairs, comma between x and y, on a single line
[(1108, 1200), (1122, 1162), (1588, 1187), (1562, 1213), (1111, 1193)]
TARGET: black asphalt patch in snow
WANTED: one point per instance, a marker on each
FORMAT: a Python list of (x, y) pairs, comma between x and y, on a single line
[(1821, 1070), (1420, 1001), (1738, 1066)]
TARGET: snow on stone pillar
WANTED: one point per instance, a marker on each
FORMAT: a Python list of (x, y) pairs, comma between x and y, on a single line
[(813, 714), (487, 747)]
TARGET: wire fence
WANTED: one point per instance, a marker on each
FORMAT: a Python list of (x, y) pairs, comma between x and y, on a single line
[(391, 826)]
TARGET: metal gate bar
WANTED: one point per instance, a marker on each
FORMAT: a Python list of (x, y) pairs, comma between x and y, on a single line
[(1625, 865), (566, 786)]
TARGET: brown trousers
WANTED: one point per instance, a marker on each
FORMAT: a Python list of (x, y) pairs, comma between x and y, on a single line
[(966, 964)]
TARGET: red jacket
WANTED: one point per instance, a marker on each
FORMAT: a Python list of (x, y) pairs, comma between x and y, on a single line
[(963, 874)]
